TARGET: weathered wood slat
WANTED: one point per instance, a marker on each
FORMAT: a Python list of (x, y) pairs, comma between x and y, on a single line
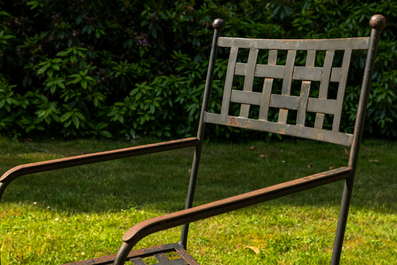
[(254, 98), (263, 70), (287, 81), (341, 90), (321, 106), (325, 79), (287, 129), (305, 44), (265, 99), (249, 79), (267, 88), (317, 105), (310, 58), (299, 72), (229, 81), (284, 102), (302, 103)]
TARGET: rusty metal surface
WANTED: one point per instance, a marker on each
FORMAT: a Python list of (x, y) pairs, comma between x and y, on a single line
[(145, 228), (377, 23), (287, 129), (73, 161), (137, 257), (218, 25), (232, 203)]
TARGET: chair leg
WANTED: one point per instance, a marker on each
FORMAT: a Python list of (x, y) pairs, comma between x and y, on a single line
[(190, 195), (343, 213)]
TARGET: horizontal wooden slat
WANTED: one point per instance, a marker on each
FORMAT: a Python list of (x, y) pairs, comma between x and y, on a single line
[(325, 44), (262, 70), (319, 105), (284, 102), (314, 73), (335, 74), (307, 73), (254, 98), (299, 73), (285, 129), (243, 97)]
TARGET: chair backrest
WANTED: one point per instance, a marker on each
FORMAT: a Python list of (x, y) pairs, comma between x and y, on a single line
[(303, 103), (286, 102)]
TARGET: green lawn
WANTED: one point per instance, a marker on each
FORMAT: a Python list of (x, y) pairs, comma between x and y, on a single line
[(79, 213)]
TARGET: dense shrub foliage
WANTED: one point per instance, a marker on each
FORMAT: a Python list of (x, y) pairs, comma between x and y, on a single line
[(85, 68)]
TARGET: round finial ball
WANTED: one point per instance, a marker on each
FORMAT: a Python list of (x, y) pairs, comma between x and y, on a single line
[(377, 22), (218, 24)]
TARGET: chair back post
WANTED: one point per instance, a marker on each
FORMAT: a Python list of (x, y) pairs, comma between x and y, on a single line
[(218, 25), (377, 23)]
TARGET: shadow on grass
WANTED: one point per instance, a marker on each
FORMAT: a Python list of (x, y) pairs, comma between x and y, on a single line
[(160, 181)]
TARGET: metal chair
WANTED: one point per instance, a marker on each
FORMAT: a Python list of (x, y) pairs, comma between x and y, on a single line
[(246, 97)]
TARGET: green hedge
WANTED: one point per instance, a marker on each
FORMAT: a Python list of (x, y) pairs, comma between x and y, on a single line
[(91, 68)]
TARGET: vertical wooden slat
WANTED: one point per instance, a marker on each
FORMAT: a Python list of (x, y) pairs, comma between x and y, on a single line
[(249, 79), (305, 90), (267, 88), (272, 60), (310, 58), (265, 99), (289, 68), (229, 82), (323, 93), (341, 90), (302, 103), (318, 123), (287, 81)]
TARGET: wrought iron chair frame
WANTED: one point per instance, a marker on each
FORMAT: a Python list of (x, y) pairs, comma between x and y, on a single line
[(246, 97)]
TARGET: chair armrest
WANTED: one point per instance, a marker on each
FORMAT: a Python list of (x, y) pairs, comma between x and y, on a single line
[(22, 170), (145, 228)]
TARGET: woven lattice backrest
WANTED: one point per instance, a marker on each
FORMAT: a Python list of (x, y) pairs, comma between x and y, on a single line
[(265, 99)]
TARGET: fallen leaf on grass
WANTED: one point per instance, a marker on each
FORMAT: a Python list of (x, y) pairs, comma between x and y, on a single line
[(373, 161), (347, 152), (255, 249), (252, 147), (190, 170), (332, 167), (263, 155), (310, 166)]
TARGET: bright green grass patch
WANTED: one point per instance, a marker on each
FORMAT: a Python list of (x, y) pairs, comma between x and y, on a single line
[(79, 213)]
